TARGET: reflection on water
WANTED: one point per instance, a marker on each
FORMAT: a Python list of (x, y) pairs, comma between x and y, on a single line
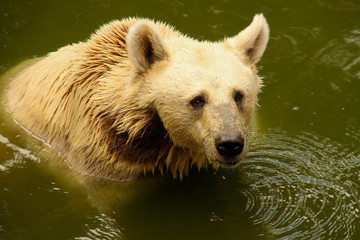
[(303, 186), (17, 149), (289, 187), (341, 5), (339, 51), (101, 227)]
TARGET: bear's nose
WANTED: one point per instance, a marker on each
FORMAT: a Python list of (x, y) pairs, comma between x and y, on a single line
[(230, 147)]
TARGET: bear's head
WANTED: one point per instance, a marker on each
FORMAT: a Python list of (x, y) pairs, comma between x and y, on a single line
[(205, 93)]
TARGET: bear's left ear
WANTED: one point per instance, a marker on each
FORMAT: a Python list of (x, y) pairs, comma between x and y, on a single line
[(251, 42), (145, 45)]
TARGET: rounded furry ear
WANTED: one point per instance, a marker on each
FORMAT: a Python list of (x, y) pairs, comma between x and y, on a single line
[(252, 41), (145, 45)]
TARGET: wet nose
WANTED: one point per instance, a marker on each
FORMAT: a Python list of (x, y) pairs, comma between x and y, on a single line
[(230, 147)]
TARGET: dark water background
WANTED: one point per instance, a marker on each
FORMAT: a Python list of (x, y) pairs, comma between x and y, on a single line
[(300, 180)]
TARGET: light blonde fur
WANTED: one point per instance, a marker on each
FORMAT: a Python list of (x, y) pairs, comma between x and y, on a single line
[(109, 107)]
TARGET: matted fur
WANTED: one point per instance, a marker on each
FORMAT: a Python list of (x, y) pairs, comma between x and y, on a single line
[(99, 128), (84, 100)]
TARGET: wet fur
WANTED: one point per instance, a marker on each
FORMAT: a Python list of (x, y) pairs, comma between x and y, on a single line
[(119, 139), (86, 100)]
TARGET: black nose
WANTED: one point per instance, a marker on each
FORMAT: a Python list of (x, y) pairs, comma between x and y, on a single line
[(230, 148)]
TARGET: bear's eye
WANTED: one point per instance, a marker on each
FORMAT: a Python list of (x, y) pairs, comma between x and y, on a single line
[(238, 97), (197, 102)]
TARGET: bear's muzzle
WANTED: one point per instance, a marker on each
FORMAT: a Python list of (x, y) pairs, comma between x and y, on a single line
[(229, 148)]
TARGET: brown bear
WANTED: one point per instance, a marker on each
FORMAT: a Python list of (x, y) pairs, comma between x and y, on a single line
[(139, 96)]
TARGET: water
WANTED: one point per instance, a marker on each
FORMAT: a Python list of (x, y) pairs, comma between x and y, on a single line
[(303, 186), (301, 177)]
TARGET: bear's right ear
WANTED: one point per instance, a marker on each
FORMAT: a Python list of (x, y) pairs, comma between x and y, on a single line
[(145, 45), (251, 42)]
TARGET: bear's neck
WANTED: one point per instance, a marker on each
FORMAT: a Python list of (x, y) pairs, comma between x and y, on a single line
[(148, 149), (151, 150)]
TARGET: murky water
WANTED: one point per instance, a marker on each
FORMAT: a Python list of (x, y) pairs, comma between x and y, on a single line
[(303, 186), (300, 180)]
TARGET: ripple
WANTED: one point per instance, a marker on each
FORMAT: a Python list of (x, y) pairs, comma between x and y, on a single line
[(103, 229), (302, 187)]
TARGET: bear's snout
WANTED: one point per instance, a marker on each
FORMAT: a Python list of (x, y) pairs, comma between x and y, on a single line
[(229, 147)]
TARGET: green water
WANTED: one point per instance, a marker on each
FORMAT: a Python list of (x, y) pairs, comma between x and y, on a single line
[(300, 180)]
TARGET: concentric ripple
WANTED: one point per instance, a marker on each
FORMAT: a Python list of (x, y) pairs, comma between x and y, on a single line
[(302, 187)]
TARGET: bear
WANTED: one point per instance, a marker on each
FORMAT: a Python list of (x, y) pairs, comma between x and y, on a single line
[(139, 97)]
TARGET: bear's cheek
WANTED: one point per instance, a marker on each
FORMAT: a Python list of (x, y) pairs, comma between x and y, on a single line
[(182, 130)]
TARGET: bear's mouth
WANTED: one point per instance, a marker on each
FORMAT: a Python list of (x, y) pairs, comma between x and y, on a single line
[(228, 162)]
